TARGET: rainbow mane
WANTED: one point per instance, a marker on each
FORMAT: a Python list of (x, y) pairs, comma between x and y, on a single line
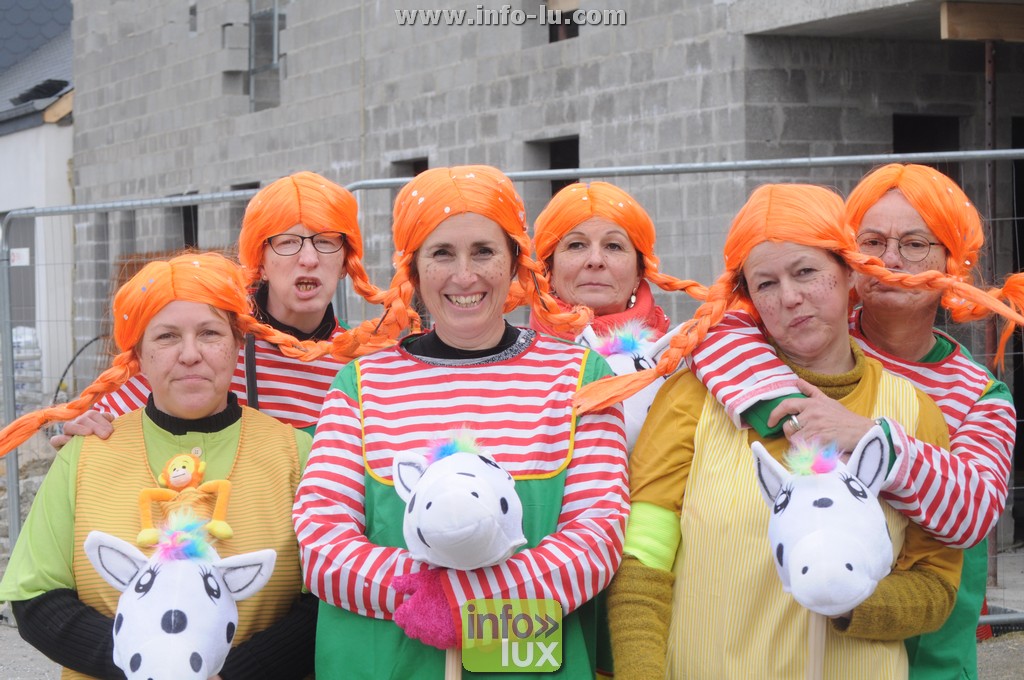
[(461, 441), (183, 538), (629, 338), (809, 459)]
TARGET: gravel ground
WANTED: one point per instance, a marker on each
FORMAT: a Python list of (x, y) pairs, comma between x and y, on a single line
[(1001, 658)]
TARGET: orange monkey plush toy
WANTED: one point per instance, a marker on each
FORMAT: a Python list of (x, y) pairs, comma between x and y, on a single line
[(182, 472)]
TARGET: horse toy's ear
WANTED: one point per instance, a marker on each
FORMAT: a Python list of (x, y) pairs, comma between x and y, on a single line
[(770, 474), (116, 561), (246, 574), (408, 469), (588, 338), (869, 460)]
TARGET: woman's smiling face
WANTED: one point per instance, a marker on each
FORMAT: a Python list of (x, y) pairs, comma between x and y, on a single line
[(463, 271)]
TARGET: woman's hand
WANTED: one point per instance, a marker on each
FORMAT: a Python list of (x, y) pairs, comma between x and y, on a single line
[(822, 418), (90, 422)]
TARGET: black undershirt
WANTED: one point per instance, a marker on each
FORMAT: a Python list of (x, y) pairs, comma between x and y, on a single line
[(215, 423), (432, 347)]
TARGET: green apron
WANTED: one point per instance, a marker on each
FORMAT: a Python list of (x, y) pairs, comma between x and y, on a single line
[(951, 652), (352, 646)]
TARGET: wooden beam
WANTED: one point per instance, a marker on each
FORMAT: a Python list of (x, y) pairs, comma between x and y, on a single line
[(60, 108), (982, 21)]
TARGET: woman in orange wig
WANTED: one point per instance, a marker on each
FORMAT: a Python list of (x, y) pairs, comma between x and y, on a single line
[(179, 323), (693, 484), (918, 222), (461, 247), (597, 246), (300, 236)]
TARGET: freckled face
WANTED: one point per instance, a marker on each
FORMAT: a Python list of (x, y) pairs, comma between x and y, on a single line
[(802, 295), (595, 264), (188, 354), (464, 270)]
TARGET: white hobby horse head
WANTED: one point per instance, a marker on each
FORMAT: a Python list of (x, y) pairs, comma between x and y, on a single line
[(827, 529), (176, 616), (462, 510)]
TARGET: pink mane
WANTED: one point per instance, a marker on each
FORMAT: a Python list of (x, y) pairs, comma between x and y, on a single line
[(628, 338), (183, 539), (461, 441), (811, 459)]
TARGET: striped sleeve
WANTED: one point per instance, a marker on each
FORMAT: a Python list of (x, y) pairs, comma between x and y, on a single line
[(958, 498), (739, 367), (340, 565), (576, 562), (125, 399), (957, 495)]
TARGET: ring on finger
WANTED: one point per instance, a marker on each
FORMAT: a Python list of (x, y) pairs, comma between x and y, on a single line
[(796, 423)]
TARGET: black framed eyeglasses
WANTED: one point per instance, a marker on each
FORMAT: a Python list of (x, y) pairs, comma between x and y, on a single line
[(911, 248), (290, 244)]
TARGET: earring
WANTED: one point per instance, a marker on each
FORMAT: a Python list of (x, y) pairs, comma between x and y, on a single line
[(632, 297)]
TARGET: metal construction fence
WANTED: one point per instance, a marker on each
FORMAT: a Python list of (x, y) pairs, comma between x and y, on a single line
[(60, 266)]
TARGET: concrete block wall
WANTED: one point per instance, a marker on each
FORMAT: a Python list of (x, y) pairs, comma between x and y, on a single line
[(156, 113)]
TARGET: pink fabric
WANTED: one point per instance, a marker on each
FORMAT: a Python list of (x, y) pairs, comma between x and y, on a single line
[(644, 311), (426, 615)]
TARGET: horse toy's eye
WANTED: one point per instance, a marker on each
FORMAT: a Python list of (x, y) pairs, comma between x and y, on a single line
[(211, 585), (489, 462), (782, 500), (145, 581), (856, 489)]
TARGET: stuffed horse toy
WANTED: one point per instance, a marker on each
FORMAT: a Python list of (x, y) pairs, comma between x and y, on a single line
[(462, 512), (176, 616), (827, 529), (630, 348)]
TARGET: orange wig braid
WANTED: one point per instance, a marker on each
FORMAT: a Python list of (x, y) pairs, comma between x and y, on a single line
[(792, 213), (440, 193), (194, 277), (579, 202), (956, 223)]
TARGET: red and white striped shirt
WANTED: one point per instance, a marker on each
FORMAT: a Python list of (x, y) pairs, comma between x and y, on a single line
[(956, 495), (288, 389), (519, 410)]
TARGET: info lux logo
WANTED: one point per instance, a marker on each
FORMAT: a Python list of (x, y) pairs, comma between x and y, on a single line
[(512, 636)]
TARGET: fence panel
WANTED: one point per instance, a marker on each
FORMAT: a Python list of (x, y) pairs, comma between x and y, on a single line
[(63, 264)]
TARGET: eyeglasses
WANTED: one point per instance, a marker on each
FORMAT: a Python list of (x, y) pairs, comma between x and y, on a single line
[(911, 248), (290, 244)]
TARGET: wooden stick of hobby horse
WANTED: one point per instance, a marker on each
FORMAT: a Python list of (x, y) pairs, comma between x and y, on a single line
[(816, 631), (453, 664)]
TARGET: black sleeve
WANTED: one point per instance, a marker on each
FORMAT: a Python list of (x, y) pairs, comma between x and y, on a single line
[(69, 632), (282, 651)]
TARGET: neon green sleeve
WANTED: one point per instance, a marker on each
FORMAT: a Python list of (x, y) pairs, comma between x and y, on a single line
[(42, 558), (652, 535), (303, 442)]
